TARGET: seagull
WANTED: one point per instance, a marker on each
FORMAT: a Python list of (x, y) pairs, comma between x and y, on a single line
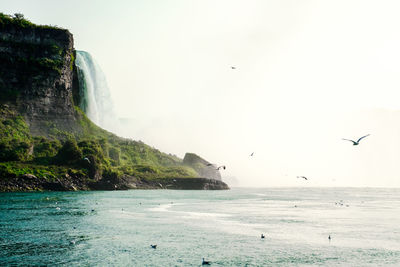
[(302, 177), (262, 236), (86, 159), (356, 143), (329, 238), (153, 246), (251, 154), (234, 68), (210, 164), (223, 167), (205, 262)]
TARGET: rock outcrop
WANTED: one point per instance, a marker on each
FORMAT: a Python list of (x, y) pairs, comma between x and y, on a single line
[(204, 168), (190, 184), (29, 182)]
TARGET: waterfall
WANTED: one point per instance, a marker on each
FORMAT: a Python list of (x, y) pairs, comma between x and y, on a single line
[(95, 97)]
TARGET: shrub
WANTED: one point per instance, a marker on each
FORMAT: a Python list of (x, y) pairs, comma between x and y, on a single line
[(69, 153), (146, 169), (14, 150), (114, 154), (46, 148)]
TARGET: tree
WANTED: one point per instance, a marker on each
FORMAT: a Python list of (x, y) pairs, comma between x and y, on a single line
[(19, 16)]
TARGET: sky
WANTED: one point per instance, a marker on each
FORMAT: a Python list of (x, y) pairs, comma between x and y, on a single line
[(307, 74)]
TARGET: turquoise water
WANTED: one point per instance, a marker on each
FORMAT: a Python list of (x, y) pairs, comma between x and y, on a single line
[(116, 228)]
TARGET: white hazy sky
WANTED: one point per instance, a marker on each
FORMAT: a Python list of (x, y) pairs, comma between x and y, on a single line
[(308, 73)]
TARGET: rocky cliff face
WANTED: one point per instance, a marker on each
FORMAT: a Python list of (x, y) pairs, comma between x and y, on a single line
[(37, 75), (201, 166)]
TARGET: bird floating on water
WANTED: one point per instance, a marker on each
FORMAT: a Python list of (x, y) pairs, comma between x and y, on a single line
[(232, 67), (356, 143), (153, 246), (303, 177), (262, 236), (205, 262)]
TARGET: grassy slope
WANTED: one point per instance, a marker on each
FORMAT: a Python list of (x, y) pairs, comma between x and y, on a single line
[(60, 153)]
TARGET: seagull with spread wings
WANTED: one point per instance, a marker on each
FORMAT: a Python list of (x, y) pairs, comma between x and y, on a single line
[(356, 143), (303, 177)]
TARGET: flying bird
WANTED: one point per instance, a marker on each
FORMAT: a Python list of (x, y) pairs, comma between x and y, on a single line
[(356, 143), (303, 177), (234, 68), (251, 154), (223, 167)]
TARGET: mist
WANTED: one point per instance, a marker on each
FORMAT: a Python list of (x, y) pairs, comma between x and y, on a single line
[(307, 74)]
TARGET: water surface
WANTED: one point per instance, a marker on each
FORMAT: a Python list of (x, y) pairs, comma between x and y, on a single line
[(116, 228)]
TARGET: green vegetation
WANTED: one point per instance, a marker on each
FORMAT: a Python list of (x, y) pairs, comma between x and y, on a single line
[(18, 20), (69, 153), (48, 172), (71, 64), (89, 152), (14, 137)]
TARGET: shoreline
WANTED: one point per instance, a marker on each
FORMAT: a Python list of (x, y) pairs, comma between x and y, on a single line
[(31, 183)]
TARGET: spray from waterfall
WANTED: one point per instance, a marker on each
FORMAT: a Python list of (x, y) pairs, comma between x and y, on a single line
[(95, 97)]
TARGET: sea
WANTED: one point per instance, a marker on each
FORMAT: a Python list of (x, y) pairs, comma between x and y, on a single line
[(117, 228)]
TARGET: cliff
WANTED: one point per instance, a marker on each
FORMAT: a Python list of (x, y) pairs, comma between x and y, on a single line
[(47, 142), (37, 74)]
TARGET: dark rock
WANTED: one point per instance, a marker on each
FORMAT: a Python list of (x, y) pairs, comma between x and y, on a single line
[(190, 184)]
